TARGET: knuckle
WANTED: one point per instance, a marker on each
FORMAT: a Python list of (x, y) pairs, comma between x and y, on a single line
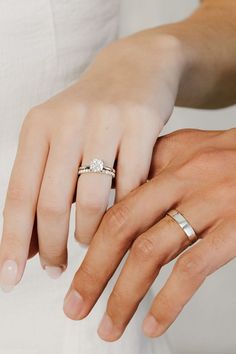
[(169, 146), (92, 204), (198, 162), (163, 303), (209, 158), (191, 265), (51, 208), (32, 122), (218, 242), (34, 115), (165, 147), (88, 281), (143, 248), (12, 242), (206, 156), (87, 277), (117, 217), (40, 110), (17, 195), (34, 112), (117, 301), (167, 306)]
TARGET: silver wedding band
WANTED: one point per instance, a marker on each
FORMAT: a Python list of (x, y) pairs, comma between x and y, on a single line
[(97, 166), (184, 224)]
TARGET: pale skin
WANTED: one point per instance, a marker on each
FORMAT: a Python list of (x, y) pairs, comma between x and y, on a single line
[(122, 102)]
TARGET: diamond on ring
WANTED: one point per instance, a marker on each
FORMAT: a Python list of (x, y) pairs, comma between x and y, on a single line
[(96, 165)]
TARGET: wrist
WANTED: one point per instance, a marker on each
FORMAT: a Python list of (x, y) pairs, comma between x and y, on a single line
[(192, 70), (161, 56), (166, 48), (157, 48)]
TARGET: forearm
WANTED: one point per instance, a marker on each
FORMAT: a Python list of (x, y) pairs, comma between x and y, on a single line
[(201, 50), (208, 40)]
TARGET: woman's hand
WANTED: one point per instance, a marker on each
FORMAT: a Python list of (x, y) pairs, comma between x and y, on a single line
[(115, 113), (194, 172)]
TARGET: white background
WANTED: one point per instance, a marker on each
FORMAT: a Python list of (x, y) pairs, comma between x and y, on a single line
[(207, 324)]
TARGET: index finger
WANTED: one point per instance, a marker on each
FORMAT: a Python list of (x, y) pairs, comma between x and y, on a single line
[(20, 205), (119, 228)]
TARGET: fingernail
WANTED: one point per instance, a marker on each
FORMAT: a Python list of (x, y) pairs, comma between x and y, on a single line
[(73, 304), (84, 246), (8, 275), (79, 239), (107, 330), (53, 272), (150, 326)]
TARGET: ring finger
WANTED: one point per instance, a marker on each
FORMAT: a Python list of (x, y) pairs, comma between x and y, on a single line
[(189, 272), (93, 189), (153, 249)]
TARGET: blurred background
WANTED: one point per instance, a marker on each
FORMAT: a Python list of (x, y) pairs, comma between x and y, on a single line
[(207, 325)]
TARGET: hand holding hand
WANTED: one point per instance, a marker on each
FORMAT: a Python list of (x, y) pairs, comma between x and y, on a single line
[(194, 172), (115, 113)]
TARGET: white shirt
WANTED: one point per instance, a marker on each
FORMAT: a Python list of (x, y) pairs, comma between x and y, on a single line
[(45, 45)]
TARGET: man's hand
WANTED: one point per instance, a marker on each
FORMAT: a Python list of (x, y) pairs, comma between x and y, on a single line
[(194, 172)]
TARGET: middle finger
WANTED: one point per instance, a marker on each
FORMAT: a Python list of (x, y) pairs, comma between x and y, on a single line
[(119, 228), (152, 250)]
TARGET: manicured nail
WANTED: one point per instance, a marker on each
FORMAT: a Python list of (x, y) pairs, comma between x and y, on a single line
[(107, 330), (53, 272), (8, 275), (78, 239), (73, 304), (150, 326), (84, 246)]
